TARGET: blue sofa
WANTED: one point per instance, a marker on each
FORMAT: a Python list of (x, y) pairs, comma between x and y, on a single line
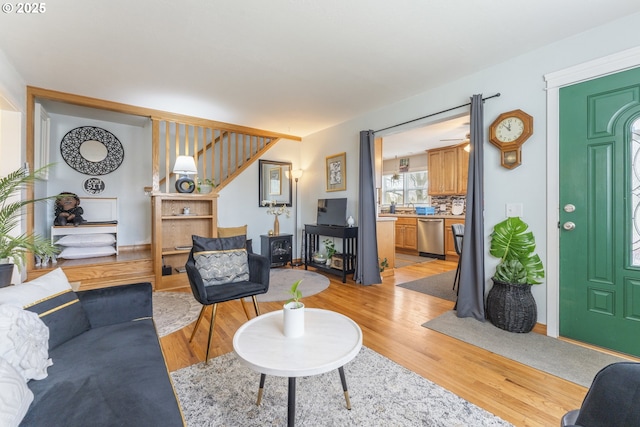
[(114, 373)]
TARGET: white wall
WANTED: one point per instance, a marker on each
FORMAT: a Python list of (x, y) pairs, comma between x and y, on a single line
[(126, 183), (417, 163), (12, 121), (520, 82), (238, 201), (12, 85)]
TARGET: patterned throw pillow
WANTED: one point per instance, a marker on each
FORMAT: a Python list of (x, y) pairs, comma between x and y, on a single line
[(15, 396), (24, 342), (221, 260)]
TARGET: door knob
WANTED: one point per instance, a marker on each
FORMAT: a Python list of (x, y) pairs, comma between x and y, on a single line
[(569, 225), (569, 208)]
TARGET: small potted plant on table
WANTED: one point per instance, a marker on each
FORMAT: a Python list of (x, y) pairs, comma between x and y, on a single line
[(205, 186), (293, 313), (331, 249)]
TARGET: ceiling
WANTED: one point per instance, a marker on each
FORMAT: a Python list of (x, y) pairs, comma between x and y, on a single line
[(418, 140), (289, 66)]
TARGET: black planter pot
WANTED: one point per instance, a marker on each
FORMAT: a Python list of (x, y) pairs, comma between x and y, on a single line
[(6, 270), (512, 307)]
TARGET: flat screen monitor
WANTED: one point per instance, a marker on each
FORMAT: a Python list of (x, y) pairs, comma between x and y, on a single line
[(332, 212)]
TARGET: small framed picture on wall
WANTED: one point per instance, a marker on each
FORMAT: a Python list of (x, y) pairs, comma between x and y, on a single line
[(275, 182), (336, 172)]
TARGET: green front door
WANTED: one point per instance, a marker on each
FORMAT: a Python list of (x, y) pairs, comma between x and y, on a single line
[(600, 212)]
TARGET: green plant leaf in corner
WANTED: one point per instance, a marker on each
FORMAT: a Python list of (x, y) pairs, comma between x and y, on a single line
[(515, 246)]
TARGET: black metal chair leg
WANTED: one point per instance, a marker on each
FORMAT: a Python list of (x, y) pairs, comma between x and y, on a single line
[(255, 305), (456, 280)]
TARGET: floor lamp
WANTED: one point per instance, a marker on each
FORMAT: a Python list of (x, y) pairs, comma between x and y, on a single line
[(295, 174)]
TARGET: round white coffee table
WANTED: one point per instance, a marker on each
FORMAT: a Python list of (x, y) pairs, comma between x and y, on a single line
[(330, 340)]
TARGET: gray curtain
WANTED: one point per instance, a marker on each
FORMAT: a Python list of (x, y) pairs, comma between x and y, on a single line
[(367, 268), (471, 288)]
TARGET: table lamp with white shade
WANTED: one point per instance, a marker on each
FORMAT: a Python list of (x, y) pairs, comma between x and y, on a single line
[(186, 166)]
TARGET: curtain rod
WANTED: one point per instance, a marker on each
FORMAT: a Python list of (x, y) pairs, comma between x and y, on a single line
[(435, 114)]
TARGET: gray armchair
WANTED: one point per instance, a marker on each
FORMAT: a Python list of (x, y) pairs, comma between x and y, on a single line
[(612, 400), (210, 295)]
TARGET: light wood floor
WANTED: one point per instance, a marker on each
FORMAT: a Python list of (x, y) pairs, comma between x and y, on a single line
[(391, 319)]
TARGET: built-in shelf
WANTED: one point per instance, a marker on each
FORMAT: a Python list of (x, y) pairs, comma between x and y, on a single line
[(172, 230)]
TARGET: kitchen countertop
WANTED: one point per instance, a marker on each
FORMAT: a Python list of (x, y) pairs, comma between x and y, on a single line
[(436, 216)]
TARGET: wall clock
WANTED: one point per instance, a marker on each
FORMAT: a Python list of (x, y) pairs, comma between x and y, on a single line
[(91, 150), (508, 132)]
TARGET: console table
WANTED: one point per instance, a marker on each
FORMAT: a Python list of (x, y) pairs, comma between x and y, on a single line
[(349, 237)]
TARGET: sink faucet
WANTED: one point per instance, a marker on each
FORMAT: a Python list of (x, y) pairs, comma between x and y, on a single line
[(411, 205)]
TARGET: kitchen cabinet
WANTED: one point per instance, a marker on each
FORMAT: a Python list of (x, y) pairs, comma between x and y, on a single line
[(448, 170), (407, 234), (377, 161), (463, 169), (442, 171), (386, 237), (449, 245)]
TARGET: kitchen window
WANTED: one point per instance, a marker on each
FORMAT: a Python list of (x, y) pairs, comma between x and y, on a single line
[(404, 188)]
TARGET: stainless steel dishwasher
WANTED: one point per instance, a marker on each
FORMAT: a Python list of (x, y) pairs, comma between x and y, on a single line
[(431, 237)]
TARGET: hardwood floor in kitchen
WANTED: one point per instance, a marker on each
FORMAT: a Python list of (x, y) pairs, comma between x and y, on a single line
[(391, 319)]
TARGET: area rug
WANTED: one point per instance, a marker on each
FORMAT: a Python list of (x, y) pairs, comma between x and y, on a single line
[(281, 279), (556, 357), (173, 311), (383, 393), (438, 285), (403, 260)]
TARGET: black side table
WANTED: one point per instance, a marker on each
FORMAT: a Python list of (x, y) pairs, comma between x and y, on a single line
[(277, 248)]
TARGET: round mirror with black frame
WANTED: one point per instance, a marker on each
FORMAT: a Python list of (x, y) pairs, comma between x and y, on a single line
[(92, 150), (274, 183)]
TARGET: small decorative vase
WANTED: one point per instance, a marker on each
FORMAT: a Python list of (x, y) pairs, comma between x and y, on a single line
[(276, 226), (328, 261), (293, 319), (350, 221), (205, 189)]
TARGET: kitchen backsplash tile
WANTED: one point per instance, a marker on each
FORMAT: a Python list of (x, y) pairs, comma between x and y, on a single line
[(447, 201)]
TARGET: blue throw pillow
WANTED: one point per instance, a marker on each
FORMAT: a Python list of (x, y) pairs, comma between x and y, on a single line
[(52, 299)]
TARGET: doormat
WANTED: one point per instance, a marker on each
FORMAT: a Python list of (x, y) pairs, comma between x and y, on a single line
[(438, 285), (403, 260), (556, 357)]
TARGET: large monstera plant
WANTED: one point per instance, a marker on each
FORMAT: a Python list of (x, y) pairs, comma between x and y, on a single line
[(515, 246)]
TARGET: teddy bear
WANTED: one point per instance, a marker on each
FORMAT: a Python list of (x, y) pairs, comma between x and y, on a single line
[(68, 210)]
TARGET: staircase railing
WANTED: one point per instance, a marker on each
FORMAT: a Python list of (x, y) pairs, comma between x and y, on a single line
[(221, 151)]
